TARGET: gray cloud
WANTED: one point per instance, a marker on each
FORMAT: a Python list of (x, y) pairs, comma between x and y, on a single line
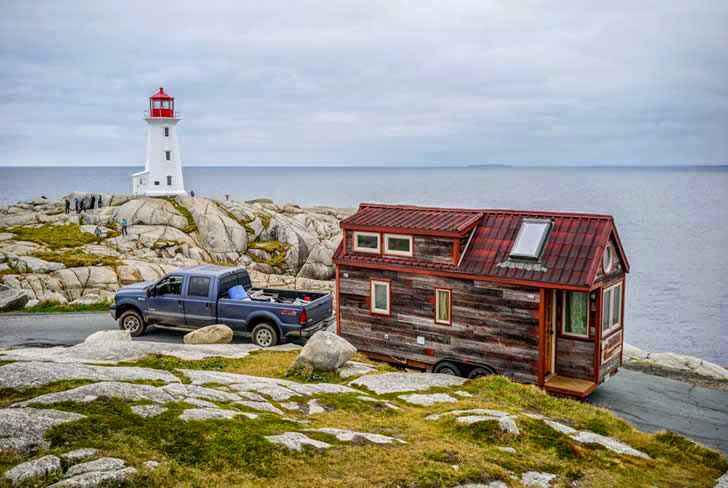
[(368, 82)]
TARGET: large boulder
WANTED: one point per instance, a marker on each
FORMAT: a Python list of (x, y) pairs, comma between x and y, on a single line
[(104, 336), (12, 298), (324, 351), (224, 238), (212, 334), (145, 211), (320, 265), (30, 264)]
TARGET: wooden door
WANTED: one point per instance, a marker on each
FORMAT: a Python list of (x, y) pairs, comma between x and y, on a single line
[(549, 350)]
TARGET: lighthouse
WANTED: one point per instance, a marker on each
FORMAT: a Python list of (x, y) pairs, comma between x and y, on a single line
[(162, 175)]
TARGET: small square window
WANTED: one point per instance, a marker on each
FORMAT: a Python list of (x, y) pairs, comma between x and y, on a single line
[(168, 155), (366, 242), (380, 297), (169, 181), (156, 183), (398, 245), (166, 132)]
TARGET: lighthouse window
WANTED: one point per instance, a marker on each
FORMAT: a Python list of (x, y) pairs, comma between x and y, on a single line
[(157, 104), (166, 132), (169, 181), (168, 155), (156, 183)]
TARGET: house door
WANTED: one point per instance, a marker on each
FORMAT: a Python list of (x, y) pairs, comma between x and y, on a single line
[(550, 349)]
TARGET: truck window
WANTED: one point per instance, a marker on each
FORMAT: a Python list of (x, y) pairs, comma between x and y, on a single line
[(171, 285), (199, 287), (234, 279)]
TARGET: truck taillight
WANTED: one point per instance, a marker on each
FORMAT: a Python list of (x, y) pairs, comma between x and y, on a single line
[(303, 317)]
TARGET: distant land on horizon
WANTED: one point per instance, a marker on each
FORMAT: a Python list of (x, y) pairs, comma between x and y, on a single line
[(403, 166)]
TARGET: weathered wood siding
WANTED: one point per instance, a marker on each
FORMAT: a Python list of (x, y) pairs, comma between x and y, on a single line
[(575, 358), (611, 355), (433, 249), (494, 324)]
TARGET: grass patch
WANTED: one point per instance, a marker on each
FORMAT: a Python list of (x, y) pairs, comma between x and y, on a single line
[(102, 306), (53, 236), (75, 259), (277, 250), (182, 210), (13, 395)]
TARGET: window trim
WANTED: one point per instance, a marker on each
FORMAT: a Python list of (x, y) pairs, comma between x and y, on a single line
[(380, 311), (437, 306), (612, 327), (564, 333), (369, 250), (407, 254)]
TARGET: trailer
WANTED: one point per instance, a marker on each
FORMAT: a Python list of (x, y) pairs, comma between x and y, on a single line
[(536, 296)]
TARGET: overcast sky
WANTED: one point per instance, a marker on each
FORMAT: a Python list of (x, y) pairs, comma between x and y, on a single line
[(368, 83)]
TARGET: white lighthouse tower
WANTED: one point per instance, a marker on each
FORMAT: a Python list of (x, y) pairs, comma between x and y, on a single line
[(162, 173)]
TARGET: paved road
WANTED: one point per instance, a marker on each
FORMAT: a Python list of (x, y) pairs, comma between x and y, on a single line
[(650, 402)]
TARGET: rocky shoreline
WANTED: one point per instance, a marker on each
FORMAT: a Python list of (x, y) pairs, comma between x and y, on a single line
[(50, 256)]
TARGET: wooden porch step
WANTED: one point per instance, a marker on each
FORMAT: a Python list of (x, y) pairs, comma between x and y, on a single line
[(569, 386)]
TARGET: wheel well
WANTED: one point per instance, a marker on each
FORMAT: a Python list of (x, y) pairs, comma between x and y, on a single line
[(259, 319), (465, 367), (126, 307)]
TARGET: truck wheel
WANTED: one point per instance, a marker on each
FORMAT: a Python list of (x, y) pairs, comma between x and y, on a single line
[(479, 371), (264, 335), (133, 322), (446, 367)]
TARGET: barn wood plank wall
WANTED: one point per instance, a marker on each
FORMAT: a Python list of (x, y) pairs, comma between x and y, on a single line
[(611, 354), (433, 249), (575, 358), (492, 323)]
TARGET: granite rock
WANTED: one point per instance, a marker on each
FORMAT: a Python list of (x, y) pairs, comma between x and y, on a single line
[(402, 382), (296, 441), (23, 429), (34, 469)]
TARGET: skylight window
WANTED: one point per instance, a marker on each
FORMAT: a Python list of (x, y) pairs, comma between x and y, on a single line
[(531, 238)]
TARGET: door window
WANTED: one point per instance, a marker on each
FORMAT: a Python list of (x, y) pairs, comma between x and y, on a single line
[(199, 287), (576, 311), (171, 285)]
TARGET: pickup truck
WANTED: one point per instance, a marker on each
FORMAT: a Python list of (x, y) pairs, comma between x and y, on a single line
[(197, 296)]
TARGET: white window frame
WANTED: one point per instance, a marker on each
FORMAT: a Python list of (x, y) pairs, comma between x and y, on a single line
[(617, 325), (367, 249), (372, 305), (563, 316), (437, 306), (409, 238)]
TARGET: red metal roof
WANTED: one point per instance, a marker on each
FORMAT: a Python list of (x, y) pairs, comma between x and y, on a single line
[(425, 220), (161, 95), (570, 257)]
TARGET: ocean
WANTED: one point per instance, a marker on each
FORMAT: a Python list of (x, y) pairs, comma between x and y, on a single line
[(673, 222)]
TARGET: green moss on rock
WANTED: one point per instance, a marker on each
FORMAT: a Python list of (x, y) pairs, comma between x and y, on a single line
[(75, 259), (53, 236), (182, 210)]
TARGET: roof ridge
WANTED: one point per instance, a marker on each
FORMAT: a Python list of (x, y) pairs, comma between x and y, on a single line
[(487, 210)]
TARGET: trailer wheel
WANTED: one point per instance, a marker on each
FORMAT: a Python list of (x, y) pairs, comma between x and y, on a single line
[(132, 321), (479, 371), (447, 367), (264, 335)]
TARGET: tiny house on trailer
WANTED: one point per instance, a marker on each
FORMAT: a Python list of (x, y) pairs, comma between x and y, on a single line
[(535, 296)]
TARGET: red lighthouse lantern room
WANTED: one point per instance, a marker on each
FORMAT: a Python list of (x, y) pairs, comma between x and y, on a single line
[(161, 105)]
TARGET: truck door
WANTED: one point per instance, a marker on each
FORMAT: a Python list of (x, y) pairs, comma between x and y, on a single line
[(199, 306), (165, 305)]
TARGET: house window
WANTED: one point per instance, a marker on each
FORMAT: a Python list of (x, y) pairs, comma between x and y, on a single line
[(531, 238), (168, 155), (366, 242), (398, 245), (443, 306), (169, 181), (612, 307), (608, 258), (380, 297), (576, 314), (166, 132)]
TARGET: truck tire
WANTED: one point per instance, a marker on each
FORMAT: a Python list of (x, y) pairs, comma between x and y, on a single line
[(264, 335), (447, 367), (132, 321)]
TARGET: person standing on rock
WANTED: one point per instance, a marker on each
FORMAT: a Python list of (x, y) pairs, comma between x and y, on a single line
[(75, 203), (192, 193), (98, 232), (100, 204), (124, 228), (68, 206)]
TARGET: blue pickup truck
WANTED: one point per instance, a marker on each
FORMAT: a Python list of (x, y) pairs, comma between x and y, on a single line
[(197, 296)]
